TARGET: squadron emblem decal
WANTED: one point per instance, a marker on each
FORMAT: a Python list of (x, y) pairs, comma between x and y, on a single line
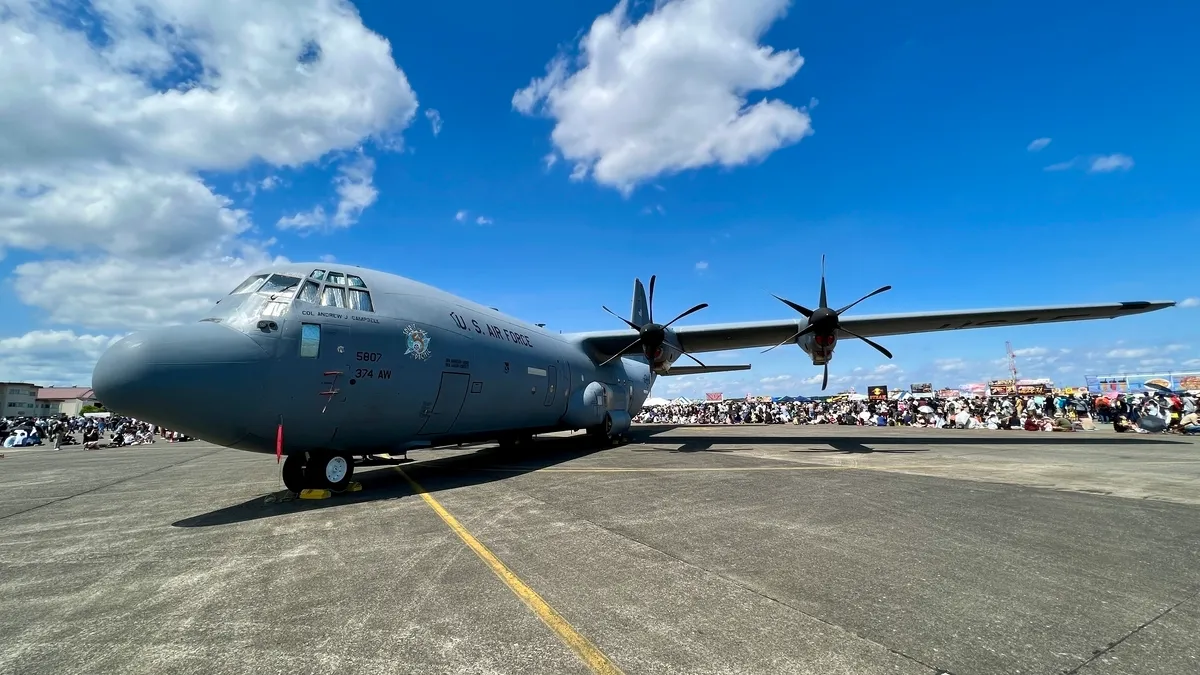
[(418, 343)]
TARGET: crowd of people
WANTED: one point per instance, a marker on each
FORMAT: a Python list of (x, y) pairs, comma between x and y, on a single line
[(1138, 413), (92, 432)]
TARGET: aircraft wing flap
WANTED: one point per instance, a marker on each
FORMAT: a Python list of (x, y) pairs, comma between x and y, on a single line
[(700, 370)]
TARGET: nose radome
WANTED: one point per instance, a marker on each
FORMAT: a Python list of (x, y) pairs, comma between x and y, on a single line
[(196, 378)]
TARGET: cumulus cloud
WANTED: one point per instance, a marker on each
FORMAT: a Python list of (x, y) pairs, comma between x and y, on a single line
[(668, 91), (355, 188), (435, 120), (701, 266), (52, 357), (1037, 144), (461, 216), (1190, 302), (483, 220), (111, 131)]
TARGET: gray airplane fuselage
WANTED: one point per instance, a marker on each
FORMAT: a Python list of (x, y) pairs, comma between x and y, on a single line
[(413, 367)]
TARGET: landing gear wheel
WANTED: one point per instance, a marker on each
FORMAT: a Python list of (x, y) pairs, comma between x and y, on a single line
[(602, 433), (293, 473), (329, 471)]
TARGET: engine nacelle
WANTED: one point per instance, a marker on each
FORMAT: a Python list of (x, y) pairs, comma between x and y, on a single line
[(664, 357), (819, 347)]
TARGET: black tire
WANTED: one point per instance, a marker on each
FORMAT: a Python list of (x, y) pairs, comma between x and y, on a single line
[(293, 473), (329, 471)]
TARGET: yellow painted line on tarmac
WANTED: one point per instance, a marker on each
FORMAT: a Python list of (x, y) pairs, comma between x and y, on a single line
[(588, 652)]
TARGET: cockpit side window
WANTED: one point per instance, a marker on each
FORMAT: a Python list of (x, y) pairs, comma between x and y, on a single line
[(310, 340), (333, 296), (360, 300), (310, 292), (336, 278), (250, 285), (280, 284)]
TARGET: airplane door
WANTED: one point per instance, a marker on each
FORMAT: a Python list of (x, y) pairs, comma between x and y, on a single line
[(551, 385), (334, 378), (448, 404)]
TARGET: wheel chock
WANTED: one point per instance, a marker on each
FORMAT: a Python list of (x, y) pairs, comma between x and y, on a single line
[(316, 494), (354, 487)]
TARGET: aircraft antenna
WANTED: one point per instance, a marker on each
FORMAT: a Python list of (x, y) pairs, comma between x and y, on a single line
[(1012, 360)]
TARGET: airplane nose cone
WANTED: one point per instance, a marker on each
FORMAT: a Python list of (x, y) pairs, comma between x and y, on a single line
[(201, 379)]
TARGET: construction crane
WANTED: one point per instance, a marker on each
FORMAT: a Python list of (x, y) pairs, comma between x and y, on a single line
[(1012, 360)]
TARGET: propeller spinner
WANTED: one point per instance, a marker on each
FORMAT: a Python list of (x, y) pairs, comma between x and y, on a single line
[(824, 323), (651, 335)]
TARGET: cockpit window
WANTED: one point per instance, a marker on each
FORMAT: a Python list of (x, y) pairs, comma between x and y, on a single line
[(336, 278), (360, 300), (250, 285), (355, 282), (280, 284), (317, 274), (333, 296), (310, 292)]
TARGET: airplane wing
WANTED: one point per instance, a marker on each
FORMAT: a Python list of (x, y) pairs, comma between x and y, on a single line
[(719, 337)]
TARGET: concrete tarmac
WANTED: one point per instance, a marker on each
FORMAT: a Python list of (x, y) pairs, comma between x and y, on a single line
[(750, 549)]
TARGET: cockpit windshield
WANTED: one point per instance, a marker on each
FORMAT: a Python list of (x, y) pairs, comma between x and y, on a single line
[(270, 295)]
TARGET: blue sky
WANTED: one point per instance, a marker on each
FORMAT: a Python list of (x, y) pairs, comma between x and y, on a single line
[(918, 172)]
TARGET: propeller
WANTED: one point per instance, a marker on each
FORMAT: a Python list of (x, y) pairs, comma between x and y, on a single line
[(651, 335), (824, 322)]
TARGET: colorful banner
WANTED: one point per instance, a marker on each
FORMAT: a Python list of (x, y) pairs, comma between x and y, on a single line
[(1034, 389), (714, 396), (878, 392), (948, 393), (921, 388), (1002, 387), (1136, 384)]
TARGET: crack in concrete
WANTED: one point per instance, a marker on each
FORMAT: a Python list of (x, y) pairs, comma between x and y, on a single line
[(1113, 645)]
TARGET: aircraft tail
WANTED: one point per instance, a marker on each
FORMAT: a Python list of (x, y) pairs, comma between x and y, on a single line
[(640, 313)]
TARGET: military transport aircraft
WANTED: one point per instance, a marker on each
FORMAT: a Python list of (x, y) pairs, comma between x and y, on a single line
[(332, 365)]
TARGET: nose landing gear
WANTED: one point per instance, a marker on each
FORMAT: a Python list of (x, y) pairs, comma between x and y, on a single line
[(318, 470)]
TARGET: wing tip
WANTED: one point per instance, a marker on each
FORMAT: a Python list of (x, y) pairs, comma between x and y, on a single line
[(1146, 305)]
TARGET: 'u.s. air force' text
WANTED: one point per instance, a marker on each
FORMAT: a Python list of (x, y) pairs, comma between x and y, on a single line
[(490, 330)]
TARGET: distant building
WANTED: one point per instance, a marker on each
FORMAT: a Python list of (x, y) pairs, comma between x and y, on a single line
[(18, 399), (64, 400)]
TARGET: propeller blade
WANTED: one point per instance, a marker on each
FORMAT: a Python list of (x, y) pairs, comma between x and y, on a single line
[(799, 308), (627, 321), (877, 291), (807, 329), (870, 342), (791, 339), (650, 308), (695, 359), (824, 303), (621, 353), (825, 381), (693, 310)]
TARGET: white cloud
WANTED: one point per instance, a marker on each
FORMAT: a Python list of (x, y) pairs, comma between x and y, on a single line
[(1031, 351), (775, 378), (483, 220), (702, 265), (1128, 353), (1062, 166), (550, 160), (355, 189), (109, 134), (461, 216), (1038, 144), (1096, 163), (52, 357), (1109, 163), (435, 120), (668, 92), (1190, 302), (1192, 363), (328, 258), (1175, 348), (949, 365)]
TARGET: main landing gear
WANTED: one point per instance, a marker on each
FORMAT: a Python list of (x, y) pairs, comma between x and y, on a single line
[(318, 470)]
